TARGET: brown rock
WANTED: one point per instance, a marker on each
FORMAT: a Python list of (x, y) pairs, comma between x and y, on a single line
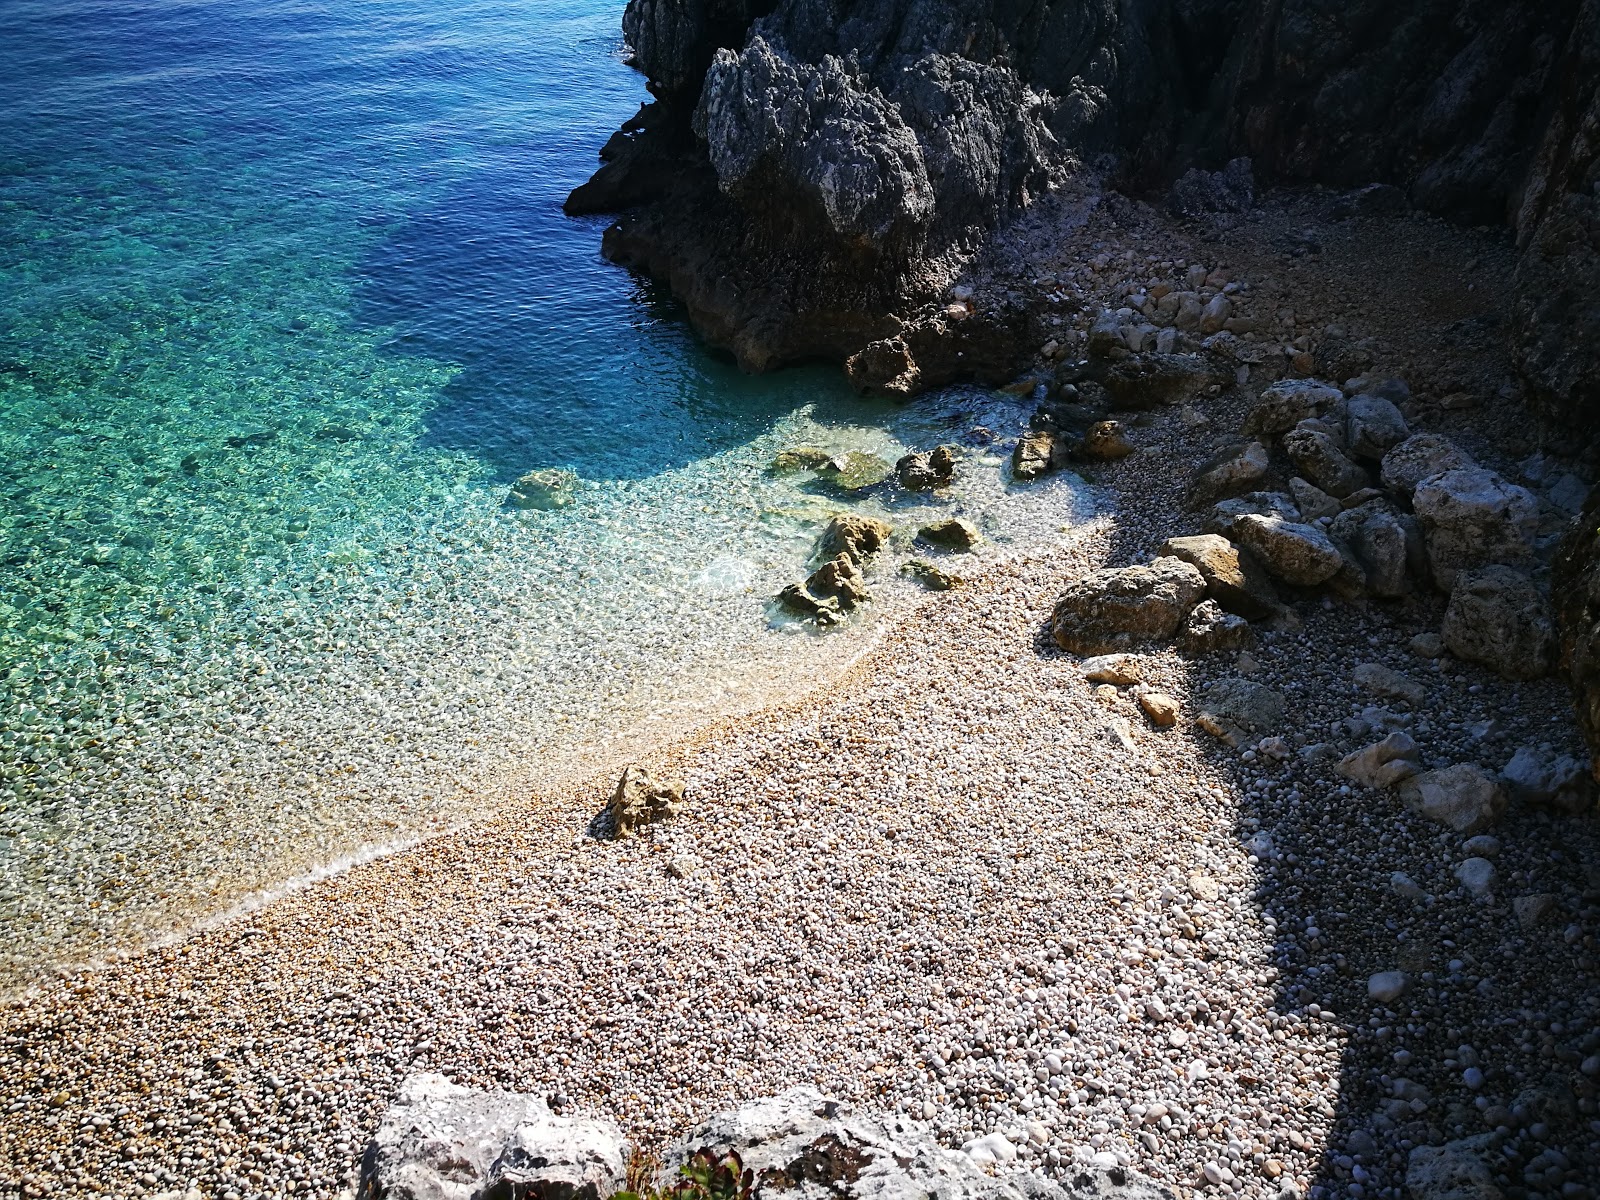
[(641, 799), (1106, 441), (1161, 708), (1234, 579)]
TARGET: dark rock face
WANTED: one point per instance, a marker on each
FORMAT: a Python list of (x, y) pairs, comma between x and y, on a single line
[(814, 172)]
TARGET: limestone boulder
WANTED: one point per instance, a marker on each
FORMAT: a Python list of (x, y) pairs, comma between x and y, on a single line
[(1266, 504), (1105, 441), (1231, 471), (1470, 518), (1037, 453), (1385, 544), (1301, 555), (1419, 457), (438, 1141), (1458, 1170), (1499, 618), (857, 536), (1536, 775), (1463, 798), (1373, 426), (1234, 579), (641, 799), (1318, 458), (1119, 607), (925, 472), (1288, 402), (1383, 764), (1237, 710)]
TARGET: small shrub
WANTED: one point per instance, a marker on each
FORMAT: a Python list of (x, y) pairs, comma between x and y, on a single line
[(706, 1176)]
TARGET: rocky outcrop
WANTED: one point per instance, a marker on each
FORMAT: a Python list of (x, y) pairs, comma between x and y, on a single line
[(439, 1141), (814, 172)]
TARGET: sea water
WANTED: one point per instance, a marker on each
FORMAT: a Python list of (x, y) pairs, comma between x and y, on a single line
[(287, 304)]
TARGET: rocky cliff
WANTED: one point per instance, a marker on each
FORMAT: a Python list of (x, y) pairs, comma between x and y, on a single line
[(814, 173)]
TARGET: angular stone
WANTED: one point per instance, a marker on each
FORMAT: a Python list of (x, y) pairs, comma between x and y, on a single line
[(1382, 764), (1380, 680), (1497, 617), (1265, 504), (1234, 708), (1288, 402), (956, 533), (1036, 454), (438, 1141), (544, 491), (1384, 545), (930, 576), (1319, 459), (1106, 441), (1118, 607), (924, 472), (1230, 472), (1419, 457), (1123, 670), (1373, 426), (1300, 555), (640, 799), (1234, 579), (1157, 380), (1312, 501), (1455, 1171), (1540, 777), (1462, 798), (1471, 518), (1161, 708), (1209, 630), (1534, 910), (854, 535)]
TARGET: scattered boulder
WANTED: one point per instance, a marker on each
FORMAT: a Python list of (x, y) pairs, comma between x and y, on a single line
[(1123, 670), (1036, 454), (1497, 617), (854, 535), (1265, 504), (836, 587), (641, 799), (1233, 709), (1117, 607), (1156, 380), (924, 472), (1160, 708), (1312, 501), (1419, 457), (438, 1141), (801, 1145), (800, 458), (1387, 986), (1540, 777), (1462, 798), (1106, 441), (955, 533), (1426, 645), (1380, 680), (855, 471), (1233, 577), (1455, 1171), (885, 366), (1288, 402), (1533, 911), (930, 576), (1382, 764), (1230, 472), (1477, 875), (1471, 518), (1318, 458), (1209, 630), (543, 491), (1373, 426), (1384, 544), (1298, 554)]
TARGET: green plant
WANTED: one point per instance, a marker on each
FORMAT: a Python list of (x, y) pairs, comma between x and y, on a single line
[(706, 1176)]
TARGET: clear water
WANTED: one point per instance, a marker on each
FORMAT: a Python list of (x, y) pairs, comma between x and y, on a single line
[(286, 302)]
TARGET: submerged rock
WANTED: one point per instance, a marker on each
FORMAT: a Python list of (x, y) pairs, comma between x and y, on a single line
[(924, 472), (930, 576), (544, 490), (956, 533)]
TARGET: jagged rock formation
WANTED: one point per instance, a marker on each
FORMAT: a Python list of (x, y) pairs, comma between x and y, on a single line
[(814, 172)]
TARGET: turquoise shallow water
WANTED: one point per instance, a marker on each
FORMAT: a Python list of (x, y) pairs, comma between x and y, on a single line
[(286, 302)]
